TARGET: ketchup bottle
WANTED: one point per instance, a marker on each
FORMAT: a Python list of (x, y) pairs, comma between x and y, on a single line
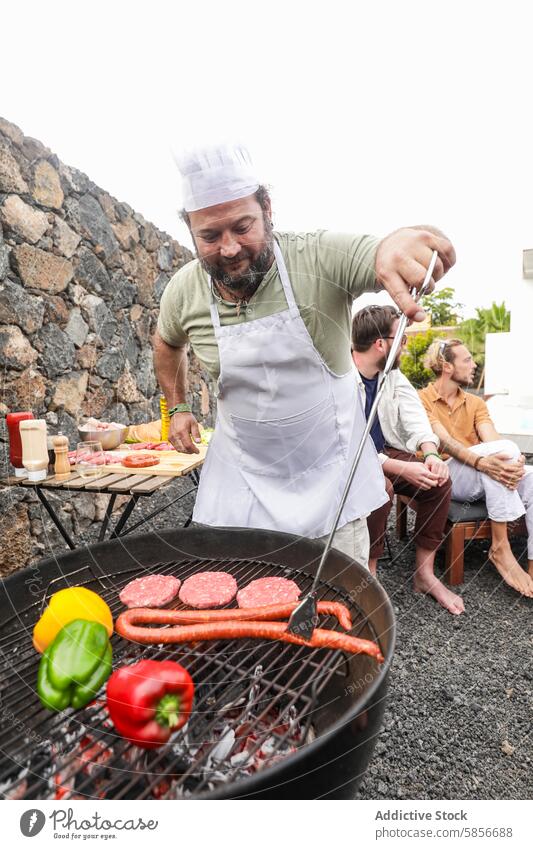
[(15, 445)]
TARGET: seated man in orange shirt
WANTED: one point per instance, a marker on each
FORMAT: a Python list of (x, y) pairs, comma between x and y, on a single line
[(482, 465)]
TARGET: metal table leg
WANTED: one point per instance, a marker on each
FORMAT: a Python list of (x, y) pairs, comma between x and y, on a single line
[(158, 511), (117, 530), (54, 517), (196, 480), (124, 518), (105, 522)]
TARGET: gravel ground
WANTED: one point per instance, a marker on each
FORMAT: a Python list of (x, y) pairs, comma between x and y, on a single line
[(458, 721), (459, 716)]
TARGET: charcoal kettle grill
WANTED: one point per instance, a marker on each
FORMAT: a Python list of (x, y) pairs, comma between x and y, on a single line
[(270, 720)]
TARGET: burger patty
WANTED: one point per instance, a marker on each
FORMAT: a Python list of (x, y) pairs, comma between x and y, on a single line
[(150, 591), (208, 589), (268, 591)]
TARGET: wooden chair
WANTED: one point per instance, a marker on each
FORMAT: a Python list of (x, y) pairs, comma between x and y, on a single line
[(466, 521)]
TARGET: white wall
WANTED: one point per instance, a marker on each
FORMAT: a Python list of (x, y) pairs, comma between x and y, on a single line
[(498, 354), (520, 365), (509, 356), (509, 364)]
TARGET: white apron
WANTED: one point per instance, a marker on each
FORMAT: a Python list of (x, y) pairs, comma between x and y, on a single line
[(286, 433)]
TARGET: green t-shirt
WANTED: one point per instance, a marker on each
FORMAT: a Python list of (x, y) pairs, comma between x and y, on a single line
[(327, 271)]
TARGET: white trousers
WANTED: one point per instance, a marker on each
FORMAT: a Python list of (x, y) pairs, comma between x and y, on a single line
[(353, 539), (503, 505)]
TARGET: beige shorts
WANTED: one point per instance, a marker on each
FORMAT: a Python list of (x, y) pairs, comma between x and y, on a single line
[(352, 539)]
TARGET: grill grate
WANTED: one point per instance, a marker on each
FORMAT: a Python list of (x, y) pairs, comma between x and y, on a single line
[(272, 686)]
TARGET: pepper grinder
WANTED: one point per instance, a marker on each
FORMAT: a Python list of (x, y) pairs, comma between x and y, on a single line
[(62, 465)]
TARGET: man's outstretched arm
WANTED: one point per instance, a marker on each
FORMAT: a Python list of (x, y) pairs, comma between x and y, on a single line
[(171, 365)]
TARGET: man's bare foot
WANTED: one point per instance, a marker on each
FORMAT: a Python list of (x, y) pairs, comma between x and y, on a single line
[(511, 571), (430, 585)]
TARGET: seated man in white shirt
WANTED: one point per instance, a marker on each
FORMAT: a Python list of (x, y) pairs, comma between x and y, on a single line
[(401, 429)]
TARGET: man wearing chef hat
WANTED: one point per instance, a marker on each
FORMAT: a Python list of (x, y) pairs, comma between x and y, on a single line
[(268, 315)]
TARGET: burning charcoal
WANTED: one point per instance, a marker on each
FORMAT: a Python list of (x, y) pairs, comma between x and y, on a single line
[(16, 790), (102, 787), (212, 749), (62, 784), (224, 745), (293, 716), (180, 792), (184, 748), (253, 693), (207, 693), (62, 777), (244, 729), (218, 778), (161, 789), (130, 756), (240, 759), (276, 759), (227, 739), (268, 747), (93, 754), (280, 730)]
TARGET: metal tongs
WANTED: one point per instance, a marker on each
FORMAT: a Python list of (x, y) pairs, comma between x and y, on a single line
[(304, 618)]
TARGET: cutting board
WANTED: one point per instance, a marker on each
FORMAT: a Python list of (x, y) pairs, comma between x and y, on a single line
[(170, 463)]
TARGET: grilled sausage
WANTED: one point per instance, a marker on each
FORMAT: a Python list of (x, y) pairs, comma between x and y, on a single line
[(149, 616), (232, 630)]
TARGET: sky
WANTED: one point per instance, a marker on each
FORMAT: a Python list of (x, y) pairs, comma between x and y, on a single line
[(361, 117)]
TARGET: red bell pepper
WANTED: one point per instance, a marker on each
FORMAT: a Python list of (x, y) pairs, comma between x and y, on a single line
[(149, 700)]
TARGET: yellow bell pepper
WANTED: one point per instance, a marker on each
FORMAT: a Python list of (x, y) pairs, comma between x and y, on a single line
[(66, 605)]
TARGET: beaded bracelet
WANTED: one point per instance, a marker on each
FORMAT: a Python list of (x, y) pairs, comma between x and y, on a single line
[(180, 408), (432, 454)]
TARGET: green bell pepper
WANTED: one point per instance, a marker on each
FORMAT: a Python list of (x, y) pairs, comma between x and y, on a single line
[(84, 693), (75, 665)]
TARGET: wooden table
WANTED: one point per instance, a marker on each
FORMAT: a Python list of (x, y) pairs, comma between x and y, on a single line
[(135, 483)]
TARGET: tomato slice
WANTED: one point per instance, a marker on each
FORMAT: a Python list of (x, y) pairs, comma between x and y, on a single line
[(140, 461)]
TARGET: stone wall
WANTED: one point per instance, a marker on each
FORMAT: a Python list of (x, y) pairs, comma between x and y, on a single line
[(81, 276)]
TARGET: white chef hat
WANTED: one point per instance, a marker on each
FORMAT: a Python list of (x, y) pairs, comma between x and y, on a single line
[(215, 174)]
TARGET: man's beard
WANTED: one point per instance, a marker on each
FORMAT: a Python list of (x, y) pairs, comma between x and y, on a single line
[(463, 382), (383, 362), (244, 284)]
